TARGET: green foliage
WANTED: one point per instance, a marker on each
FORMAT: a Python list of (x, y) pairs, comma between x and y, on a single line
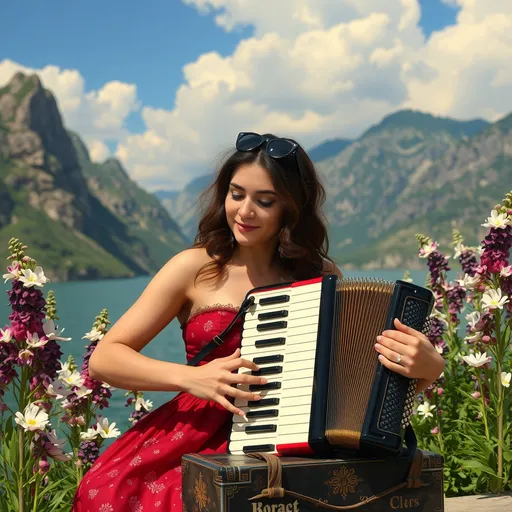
[(70, 255), (38, 422), (472, 421)]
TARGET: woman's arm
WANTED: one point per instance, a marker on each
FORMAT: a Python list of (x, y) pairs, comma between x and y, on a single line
[(117, 361)]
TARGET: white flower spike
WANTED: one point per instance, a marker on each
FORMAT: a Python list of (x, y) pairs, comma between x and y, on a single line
[(89, 435), (425, 409), (32, 419), (93, 335), (506, 271), (5, 335), (51, 331), (494, 299), (33, 340), (477, 359), (107, 431), (31, 278), (497, 220)]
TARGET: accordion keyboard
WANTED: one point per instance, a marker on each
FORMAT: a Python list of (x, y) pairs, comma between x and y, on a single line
[(280, 335)]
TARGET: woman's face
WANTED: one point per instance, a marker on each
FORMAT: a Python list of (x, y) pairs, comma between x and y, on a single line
[(253, 208)]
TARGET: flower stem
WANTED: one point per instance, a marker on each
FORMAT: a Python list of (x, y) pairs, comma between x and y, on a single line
[(484, 409), (34, 508), (501, 353), (21, 450), (440, 438)]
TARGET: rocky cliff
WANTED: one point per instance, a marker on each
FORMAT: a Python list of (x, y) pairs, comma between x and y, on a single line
[(54, 198)]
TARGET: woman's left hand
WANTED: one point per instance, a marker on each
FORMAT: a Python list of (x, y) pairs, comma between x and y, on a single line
[(410, 353)]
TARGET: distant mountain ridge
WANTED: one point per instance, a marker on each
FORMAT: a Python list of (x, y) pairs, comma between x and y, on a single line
[(81, 220), (183, 204), (397, 180), (411, 172)]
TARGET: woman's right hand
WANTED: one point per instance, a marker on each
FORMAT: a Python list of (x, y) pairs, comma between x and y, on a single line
[(215, 380)]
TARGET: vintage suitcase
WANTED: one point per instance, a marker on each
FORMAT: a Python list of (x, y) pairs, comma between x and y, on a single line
[(226, 483)]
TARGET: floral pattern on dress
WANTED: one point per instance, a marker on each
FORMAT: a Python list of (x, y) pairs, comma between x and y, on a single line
[(141, 471)]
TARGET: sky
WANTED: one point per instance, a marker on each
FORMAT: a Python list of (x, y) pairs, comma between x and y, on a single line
[(166, 86)]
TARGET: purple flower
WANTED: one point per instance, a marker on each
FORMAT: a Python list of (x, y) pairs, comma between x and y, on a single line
[(455, 297), (88, 453), (8, 360), (468, 262), (497, 246), (437, 264), (436, 330)]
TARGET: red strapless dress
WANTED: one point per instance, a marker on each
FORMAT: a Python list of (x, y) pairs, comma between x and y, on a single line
[(141, 471)]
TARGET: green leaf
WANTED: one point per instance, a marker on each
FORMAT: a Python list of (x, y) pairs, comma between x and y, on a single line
[(476, 465)]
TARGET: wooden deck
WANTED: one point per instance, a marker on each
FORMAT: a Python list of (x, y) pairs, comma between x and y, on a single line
[(486, 503)]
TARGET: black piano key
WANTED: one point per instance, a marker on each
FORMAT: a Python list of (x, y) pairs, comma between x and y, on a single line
[(260, 428), (269, 342), (268, 370), (264, 387), (278, 299), (259, 448), (277, 358), (270, 326), (269, 315), (263, 402), (267, 413)]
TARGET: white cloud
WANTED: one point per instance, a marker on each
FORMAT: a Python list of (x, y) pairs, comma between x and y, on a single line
[(98, 150), (312, 69), (471, 63)]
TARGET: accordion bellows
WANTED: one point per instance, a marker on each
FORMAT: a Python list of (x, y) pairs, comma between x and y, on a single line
[(315, 342), (364, 308)]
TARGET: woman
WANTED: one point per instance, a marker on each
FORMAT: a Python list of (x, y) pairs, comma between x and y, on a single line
[(262, 225)]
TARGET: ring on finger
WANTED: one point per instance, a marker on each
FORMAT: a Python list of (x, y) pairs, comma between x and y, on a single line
[(399, 358)]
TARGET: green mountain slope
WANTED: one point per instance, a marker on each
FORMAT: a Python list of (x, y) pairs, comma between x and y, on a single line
[(437, 184), (64, 206)]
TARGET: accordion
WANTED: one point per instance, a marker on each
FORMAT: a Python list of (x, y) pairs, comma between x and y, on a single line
[(327, 392)]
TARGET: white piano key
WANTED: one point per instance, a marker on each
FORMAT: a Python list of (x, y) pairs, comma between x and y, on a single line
[(292, 318), (287, 366), (306, 325), (292, 401), (286, 416), (299, 350), (293, 308), (238, 433)]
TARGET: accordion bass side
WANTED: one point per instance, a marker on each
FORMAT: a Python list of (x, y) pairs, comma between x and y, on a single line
[(327, 392)]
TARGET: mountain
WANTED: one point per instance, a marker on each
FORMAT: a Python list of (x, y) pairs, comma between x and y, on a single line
[(424, 175), (154, 234), (81, 220), (328, 149), (183, 204), (425, 122)]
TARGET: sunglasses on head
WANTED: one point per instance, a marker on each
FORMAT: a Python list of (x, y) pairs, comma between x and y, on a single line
[(275, 148)]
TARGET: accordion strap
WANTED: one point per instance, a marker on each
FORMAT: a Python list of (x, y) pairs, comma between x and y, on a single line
[(218, 340), (275, 487)]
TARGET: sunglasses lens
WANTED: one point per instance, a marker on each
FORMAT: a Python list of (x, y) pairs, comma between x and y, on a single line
[(279, 148), (248, 142)]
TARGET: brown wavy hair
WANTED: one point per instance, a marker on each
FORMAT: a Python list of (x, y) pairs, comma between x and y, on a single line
[(303, 241)]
